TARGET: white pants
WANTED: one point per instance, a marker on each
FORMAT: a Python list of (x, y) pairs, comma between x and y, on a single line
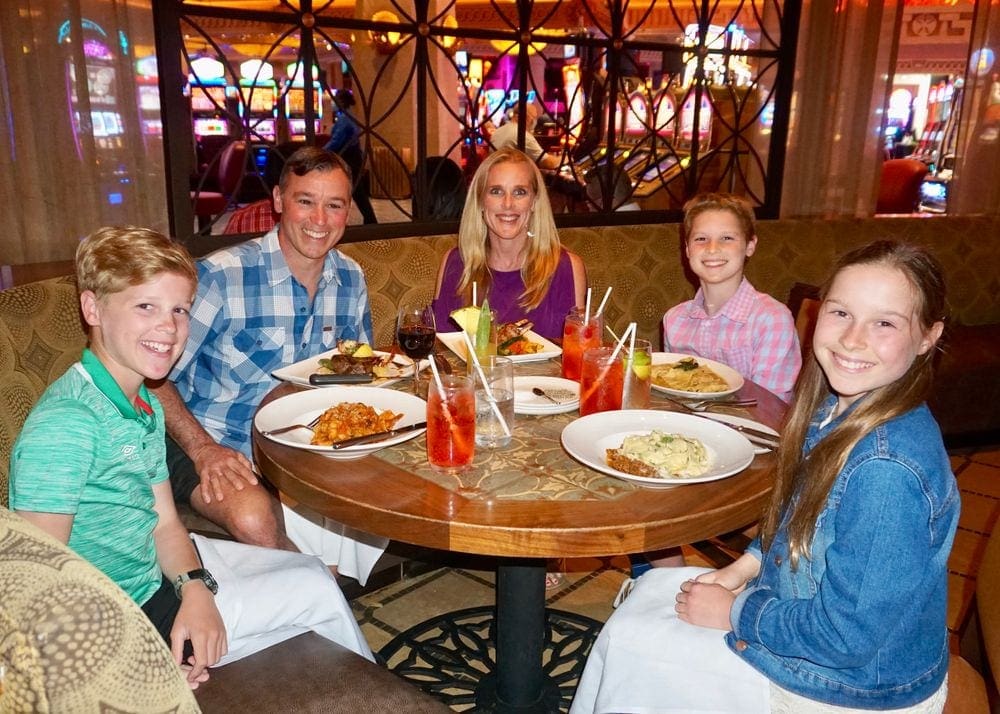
[(267, 596), (353, 552), (646, 660)]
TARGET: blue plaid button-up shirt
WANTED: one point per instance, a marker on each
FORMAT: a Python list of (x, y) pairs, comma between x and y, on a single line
[(251, 317)]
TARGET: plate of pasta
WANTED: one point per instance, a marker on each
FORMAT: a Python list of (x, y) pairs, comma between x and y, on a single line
[(657, 449), (694, 377), (344, 412)]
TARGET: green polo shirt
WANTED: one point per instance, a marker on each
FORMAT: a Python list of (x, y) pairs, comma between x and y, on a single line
[(85, 450)]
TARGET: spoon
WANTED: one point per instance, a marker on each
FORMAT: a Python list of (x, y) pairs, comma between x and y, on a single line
[(538, 391)]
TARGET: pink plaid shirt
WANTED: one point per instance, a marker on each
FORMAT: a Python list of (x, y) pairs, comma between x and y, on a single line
[(753, 333)]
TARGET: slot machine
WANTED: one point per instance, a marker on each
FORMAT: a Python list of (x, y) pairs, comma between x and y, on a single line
[(258, 108), (148, 97), (667, 163), (295, 102), (210, 98)]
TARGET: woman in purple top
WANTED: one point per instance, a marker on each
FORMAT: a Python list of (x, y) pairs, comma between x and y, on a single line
[(508, 246)]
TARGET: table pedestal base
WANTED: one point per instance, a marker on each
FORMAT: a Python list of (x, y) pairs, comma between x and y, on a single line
[(528, 659)]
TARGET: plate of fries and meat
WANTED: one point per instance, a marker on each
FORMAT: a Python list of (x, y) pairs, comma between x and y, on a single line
[(353, 361), (344, 413), (514, 339)]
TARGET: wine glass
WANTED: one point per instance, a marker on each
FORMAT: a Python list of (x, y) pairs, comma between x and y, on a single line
[(415, 332)]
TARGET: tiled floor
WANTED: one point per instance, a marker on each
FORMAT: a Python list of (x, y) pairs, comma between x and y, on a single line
[(590, 585)]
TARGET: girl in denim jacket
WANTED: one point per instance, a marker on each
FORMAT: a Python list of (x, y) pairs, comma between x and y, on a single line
[(839, 605)]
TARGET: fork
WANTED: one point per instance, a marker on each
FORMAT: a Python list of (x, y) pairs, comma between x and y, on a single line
[(284, 429), (701, 405)]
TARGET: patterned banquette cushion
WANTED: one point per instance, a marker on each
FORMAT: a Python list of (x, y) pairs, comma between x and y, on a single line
[(70, 640)]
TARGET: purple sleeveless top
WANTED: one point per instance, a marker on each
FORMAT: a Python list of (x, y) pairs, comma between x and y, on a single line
[(504, 293)]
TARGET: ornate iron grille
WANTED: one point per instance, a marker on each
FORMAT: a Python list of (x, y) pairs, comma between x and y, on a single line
[(644, 104)]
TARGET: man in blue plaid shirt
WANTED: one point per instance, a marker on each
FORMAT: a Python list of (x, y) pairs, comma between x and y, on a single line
[(262, 305)]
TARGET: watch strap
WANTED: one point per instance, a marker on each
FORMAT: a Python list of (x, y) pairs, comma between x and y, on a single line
[(197, 574)]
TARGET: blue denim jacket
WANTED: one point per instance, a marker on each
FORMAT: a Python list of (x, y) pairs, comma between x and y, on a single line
[(861, 623)]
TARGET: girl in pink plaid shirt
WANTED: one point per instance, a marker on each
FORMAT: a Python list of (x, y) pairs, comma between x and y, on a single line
[(728, 320)]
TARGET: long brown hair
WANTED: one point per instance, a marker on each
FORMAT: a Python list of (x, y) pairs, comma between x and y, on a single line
[(543, 249), (803, 483)]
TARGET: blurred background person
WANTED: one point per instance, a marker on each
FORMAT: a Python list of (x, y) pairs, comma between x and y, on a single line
[(345, 140)]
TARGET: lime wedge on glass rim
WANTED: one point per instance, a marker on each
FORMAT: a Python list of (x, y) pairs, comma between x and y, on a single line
[(642, 363)]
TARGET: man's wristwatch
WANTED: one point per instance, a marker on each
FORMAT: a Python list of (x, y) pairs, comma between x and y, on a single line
[(199, 574)]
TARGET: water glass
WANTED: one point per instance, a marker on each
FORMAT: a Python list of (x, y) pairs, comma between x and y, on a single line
[(637, 378), (451, 423), (499, 374), (578, 335)]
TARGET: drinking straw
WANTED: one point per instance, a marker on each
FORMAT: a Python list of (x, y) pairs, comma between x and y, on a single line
[(629, 333), (608, 328), (586, 312), (631, 344), (604, 301), (440, 387), (486, 385)]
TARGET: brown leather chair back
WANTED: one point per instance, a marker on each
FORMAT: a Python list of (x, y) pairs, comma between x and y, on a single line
[(899, 186), (232, 167)]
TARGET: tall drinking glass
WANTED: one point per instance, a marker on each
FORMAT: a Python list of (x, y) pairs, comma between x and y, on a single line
[(637, 375), (493, 414), (579, 335), (415, 334), (451, 423), (601, 380)]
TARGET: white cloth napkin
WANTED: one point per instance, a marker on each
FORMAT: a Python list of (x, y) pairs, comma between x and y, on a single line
[(646, 660), (352, 551), (267, 596)]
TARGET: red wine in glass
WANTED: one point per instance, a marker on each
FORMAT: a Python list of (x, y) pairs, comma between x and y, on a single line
[(416, 341), (415, 334)]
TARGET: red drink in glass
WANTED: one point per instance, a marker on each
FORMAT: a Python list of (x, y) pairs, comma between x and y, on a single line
[(578, 336), (601, 381), (451, 423)]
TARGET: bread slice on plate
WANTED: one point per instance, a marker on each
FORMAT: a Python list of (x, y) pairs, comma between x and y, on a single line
[(618, 459)]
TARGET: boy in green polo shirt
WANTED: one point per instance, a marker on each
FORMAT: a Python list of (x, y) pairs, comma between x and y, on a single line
[(89, 468)]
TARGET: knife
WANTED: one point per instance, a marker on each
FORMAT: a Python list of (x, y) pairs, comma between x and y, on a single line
[(755, 435), (377, 436), (319, 380)]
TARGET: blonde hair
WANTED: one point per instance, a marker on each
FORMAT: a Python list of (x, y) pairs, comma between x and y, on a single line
[(114, 258), (736, 205), (543, 247), (803, 483)]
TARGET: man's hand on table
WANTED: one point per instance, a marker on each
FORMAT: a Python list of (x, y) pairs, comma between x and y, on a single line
[(219, 465)]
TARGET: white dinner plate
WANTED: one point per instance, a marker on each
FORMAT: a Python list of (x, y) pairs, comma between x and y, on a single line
[(564, 391), (733, 378), (741, 421), (299, 372), (454, 342), (587, 438), (303, 407)]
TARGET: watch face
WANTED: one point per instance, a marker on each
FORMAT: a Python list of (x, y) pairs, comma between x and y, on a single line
[(207, 578)]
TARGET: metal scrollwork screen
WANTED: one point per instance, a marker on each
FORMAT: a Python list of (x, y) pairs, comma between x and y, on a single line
[(627, 106)]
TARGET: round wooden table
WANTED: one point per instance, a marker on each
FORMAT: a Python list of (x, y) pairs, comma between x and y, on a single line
[(523, 505)]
